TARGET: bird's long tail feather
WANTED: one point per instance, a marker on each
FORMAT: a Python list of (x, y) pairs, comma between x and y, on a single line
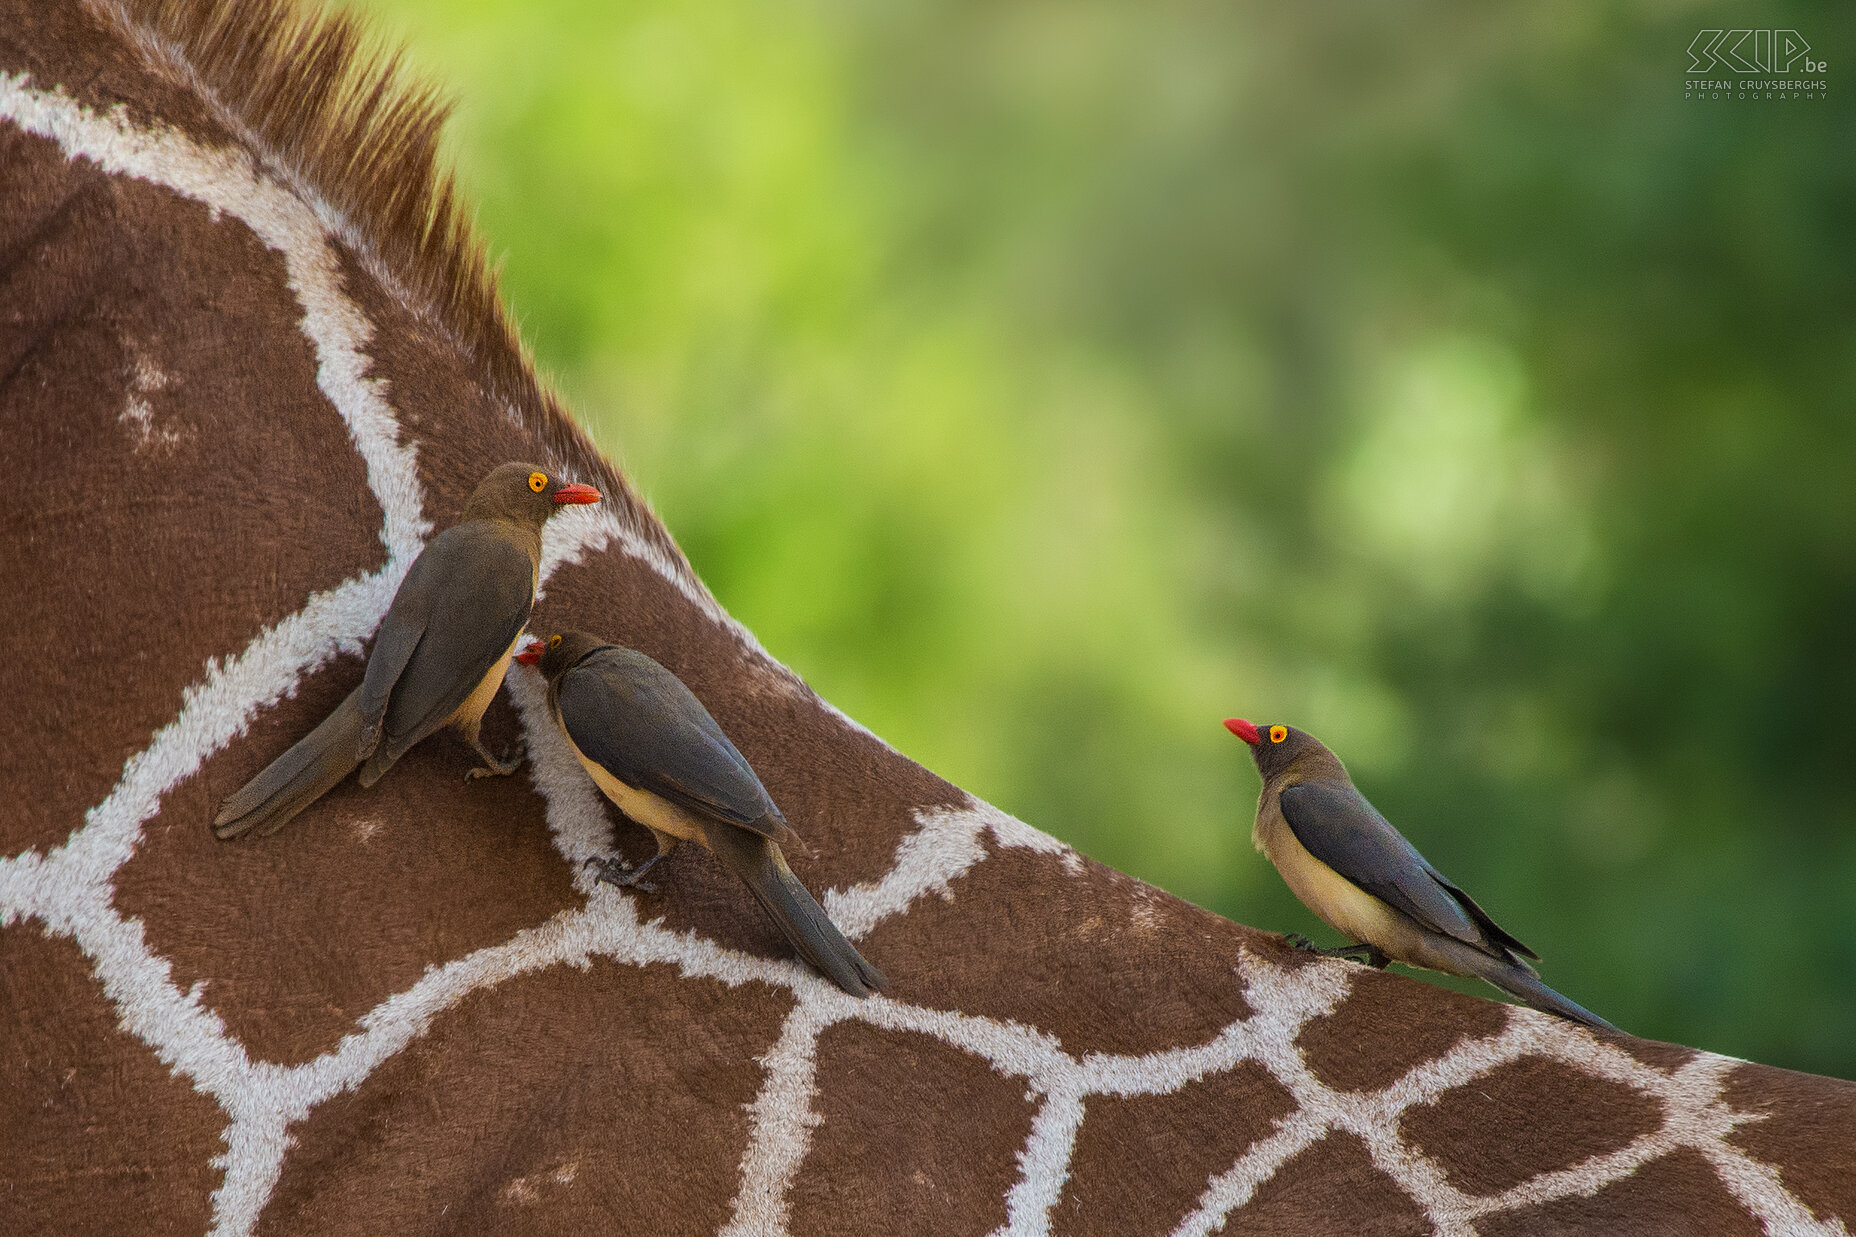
[(1527, 988), (758, 862), (297, 778)]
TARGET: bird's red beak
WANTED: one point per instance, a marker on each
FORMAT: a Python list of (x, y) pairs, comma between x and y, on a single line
[(576, 494), (1243, 730), (530, 653)]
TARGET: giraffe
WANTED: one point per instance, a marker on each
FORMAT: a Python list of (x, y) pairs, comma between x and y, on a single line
[(250, 357)]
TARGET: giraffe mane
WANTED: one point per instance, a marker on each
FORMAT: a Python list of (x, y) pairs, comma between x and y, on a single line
[(331, 110)]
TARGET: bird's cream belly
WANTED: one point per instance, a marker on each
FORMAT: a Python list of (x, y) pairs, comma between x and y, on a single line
[(1340, 903), (647, 809), (470, 713)]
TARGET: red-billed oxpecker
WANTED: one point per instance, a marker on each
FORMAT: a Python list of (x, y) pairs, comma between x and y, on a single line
[(654, 750), (1353, 869), (440, 655)]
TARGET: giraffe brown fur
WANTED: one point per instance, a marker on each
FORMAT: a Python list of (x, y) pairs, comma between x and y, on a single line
[(250, 356)]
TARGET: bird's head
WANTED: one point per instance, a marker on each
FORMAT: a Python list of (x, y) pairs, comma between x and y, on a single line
[(557, 652), (525, 493), (1275, 747)]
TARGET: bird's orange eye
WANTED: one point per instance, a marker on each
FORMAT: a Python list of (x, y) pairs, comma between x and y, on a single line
[(554, 642), (538, 481), (1278, 733)]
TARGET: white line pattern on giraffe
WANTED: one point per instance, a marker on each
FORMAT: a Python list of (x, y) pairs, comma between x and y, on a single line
[(68, 887)]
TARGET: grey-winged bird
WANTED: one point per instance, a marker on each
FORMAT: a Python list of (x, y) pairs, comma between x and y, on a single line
[(440, 655), (1353, 869), (654, 751)]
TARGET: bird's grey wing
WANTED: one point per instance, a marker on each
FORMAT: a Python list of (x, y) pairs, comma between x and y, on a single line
[(642, 725), (1339, 827), (474, 598), (400, 630), (1494, 930)]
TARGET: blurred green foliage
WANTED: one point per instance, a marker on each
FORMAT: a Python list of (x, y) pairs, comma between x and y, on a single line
[(1047, 381)]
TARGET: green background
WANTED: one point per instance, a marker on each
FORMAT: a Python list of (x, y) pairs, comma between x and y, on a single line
[(1046, 381)]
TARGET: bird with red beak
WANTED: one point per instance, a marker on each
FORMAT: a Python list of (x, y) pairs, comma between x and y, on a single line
[(655, 751), (1356, 872), (441, 652)]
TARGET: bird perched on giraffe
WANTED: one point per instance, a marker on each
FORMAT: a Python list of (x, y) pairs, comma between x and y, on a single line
[(441, 652), (655, 752), (1350, 867)]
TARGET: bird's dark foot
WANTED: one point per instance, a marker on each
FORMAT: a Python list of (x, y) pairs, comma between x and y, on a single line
[(1365, 955), (492, 767), (616, 871)]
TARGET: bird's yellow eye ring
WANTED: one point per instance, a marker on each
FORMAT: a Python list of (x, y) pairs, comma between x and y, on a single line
[(1278, 733), (538, 481), (554, 642)]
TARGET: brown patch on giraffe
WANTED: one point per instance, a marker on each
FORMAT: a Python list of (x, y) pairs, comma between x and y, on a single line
[(1378, 1033), (300, 933), (452, 423), (1654, 1053), (1171, 1145), (58, 241), (96, 1135), (567, 1100), (64, 46), (1552, 1116), (1332, 1187), (850, 798), (1675, 1196), (916, 1137), (1805, 1116), (1023, 938), (153, 531)]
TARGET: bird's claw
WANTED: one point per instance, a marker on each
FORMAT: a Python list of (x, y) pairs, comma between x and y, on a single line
[(618, 872), (492, 767), (1364, 954), (1373, 956)]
